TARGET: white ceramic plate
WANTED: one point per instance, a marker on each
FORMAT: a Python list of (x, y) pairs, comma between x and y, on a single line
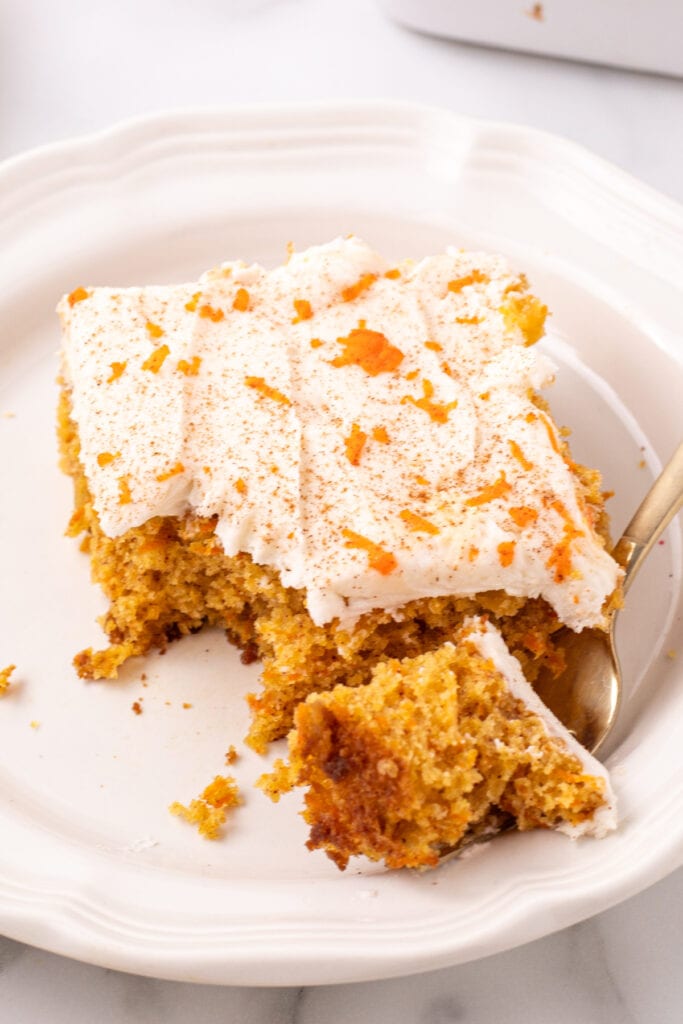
[(91, 863)]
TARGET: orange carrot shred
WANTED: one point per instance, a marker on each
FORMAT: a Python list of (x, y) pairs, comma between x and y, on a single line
[(78, 295), (506, 553), (379, 559), (104, 458), (468, 319), (422, 481), (259, 384), (475, 277), (522, 515), (154, 330), (434, 346), (174, 471), (155, 361), (380, 434), (437, 411), (192, 304), (303, 310), (241, 300), (498, 489), (472, 553), (361, 285), (418, 523), (370, 350), (190, 369), (208, 312), (355, 443), (393, 274), (551, 433), (316, 343), (240, 486), (116, 371), (519, 455)]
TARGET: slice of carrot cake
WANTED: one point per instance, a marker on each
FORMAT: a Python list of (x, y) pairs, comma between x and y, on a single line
[(336, 461), (434, 750)]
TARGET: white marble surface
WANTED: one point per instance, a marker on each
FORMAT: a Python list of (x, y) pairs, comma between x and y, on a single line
[(74, 67)]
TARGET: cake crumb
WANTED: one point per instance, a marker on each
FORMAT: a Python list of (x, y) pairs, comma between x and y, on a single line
[(642, 464), (672, 654), (231, 755), (5, 676), (136, 706), (210, 810), (536, 12), (186, 705)]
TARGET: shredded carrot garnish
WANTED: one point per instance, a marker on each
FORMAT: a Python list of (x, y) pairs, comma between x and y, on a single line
[(316, 343), (485, 395), (468, 319), (498, 489), (506, 553), (240, 486), (531, 417), (434, 346), (241, 300), (361, 285), (174, 471), (447, 370), (116, 371), (523, 516), (207, 470), (190, 369), (259, 384), (192, 304), (370, 350), (379, 559), (437, 411), (154, 330), (303, 310), (558, 506), (519, 455), (77, 295), (551, 433), (208, 312), (380, 434), (155, 361), (104, 458), (412, 375), (472, 553), (125, 497), (418, 523), (355, 443), (393, 274), (560, 559), (422, 481), (475, 277)]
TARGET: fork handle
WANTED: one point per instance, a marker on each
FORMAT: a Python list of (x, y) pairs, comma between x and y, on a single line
[(657, 509)]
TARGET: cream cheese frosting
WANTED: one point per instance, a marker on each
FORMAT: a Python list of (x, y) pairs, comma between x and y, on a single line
[(368, 431), (490, 645)]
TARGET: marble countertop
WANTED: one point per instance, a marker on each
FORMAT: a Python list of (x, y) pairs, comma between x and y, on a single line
[(75, 67)]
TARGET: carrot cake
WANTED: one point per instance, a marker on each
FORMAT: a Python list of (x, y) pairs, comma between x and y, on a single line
[(336, 461), (434, 750)]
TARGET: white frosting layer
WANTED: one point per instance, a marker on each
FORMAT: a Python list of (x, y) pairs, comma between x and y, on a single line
[(490, 644), (258, 431)]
